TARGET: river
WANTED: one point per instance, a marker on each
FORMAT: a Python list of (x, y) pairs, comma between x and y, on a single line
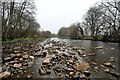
[(110, 49)]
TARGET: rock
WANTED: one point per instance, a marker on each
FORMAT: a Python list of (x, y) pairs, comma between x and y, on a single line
[(113, 48), (107, 70), (63, 54), (84, 55), (7, 59), (0, 69), (77, 75), (82, 76), (81, 67), (71, 73), (41, 72), (46, 60), (30, 63), (70, 61), (58, 70), (80, 52), (21, 59), (28, 76), (99, 47), (25, 56), (93, 63), (48, 71), (91, 54), (112, 59), (66, 76), (32, 73), (61, 76), (75, 48), (12, 62), (70, 69), (43, 54), (96, 69), (5, 74), (87, 73), (17, 65), (109, 65), (32, 57), (114, 74)]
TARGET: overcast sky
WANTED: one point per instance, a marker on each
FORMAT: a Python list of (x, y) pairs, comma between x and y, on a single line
[(54, 14)]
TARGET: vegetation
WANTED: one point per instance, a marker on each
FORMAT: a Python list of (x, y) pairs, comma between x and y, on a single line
[(101, 22), (18, 20)]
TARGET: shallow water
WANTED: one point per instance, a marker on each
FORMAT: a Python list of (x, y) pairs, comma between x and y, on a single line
[(102, 55)]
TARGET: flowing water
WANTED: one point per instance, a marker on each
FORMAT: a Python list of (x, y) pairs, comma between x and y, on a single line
[(102, 56)]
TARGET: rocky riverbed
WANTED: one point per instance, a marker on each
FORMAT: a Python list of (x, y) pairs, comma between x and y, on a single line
[(55, 58)]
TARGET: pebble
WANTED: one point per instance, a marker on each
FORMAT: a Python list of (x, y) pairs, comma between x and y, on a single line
[(32, 57), (71, 73), (17, 65), (82, 76)]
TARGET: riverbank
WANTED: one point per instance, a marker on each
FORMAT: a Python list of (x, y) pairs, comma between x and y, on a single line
[(21, 39)]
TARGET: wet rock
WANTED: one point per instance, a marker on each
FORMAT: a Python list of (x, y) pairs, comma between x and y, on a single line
[(20, 71), (87, 73), (71, 73), (81, 67), (75, 48), (84, 55), (58, 70), (82, 76), (61, 76), (0, 69), (63, 54), (41, 72), (30, 63), (109, 65), (80, 52), (32, 57), (5, 74), (93, 63), (25, 56), (32, 73), (70, 69), (28, 76), (48, 71), (7, 59), (107, 70), (99, 47), (112, 59), (96, 69), (46, 60), (17, 65), (114, 74), (91, 54), (77, 75), (70, 61), (12, 62), (43, 54), (113, 48), (4, 68)]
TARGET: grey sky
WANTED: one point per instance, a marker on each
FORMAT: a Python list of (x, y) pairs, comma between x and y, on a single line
[(54, 14)]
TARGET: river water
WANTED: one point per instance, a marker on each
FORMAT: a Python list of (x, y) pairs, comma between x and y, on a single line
[(102, 56)]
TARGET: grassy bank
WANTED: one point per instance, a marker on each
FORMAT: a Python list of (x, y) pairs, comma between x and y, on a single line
[(91, 38), (16, 39)]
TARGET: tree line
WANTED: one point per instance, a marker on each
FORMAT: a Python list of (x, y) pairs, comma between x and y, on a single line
[(101, 21), (18, 20)]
